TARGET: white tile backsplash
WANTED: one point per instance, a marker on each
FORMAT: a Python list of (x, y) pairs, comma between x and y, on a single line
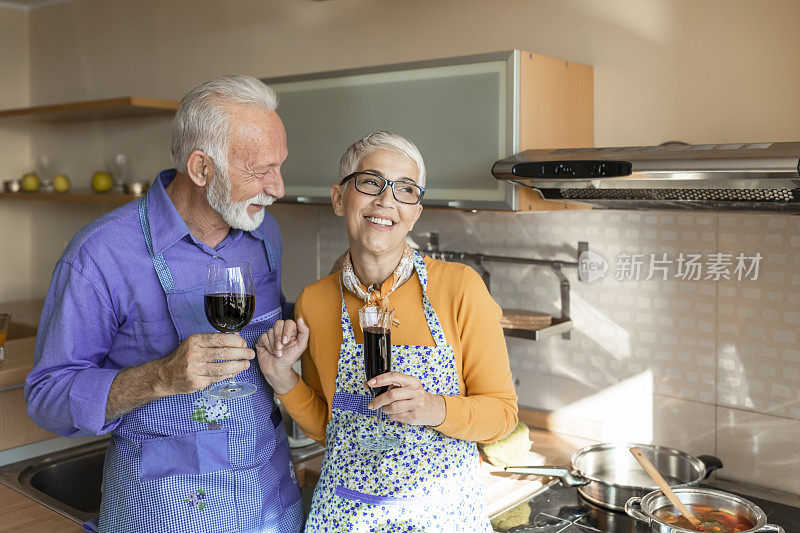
[(684, 425), (759, 449), (677, 351)]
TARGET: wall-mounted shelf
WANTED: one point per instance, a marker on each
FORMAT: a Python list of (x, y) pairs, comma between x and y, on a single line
[(560, 325), (76, 197), (126, 106)]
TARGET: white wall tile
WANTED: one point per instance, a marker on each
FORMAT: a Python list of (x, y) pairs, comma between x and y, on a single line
[(761, 326), (759, 449), (684, 425)]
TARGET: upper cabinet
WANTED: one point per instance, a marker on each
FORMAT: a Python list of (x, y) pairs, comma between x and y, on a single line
[(463, 113)]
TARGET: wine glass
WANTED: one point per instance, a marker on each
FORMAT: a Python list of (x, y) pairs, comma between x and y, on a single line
[(376, 323), (229, 304), (46, 166)]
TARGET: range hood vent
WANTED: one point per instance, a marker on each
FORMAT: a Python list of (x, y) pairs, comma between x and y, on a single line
[(756, 176)]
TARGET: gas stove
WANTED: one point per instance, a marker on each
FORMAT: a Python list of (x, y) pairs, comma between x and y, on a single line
[(557, 509)]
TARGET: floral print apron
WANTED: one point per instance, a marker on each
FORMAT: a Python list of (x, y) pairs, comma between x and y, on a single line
[(430, 482), (192, 463)]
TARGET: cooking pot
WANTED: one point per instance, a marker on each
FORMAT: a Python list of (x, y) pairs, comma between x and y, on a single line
[(608, 475), (643, 509)]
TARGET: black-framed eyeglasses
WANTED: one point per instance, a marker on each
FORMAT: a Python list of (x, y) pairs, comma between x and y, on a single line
[(374, 184)]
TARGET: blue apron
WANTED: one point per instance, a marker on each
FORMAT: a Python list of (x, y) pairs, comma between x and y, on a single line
[(191, 463)]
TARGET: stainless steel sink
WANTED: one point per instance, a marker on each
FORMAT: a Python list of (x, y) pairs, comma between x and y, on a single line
[(67, 481)]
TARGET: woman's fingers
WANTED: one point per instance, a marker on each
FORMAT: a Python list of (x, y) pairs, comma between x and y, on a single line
[(408, 401), (394, 379), (266, 343), (302, 331), (289, 332), (275, 334), (402, 410), (286, 335), (392, 396), (392, 400)]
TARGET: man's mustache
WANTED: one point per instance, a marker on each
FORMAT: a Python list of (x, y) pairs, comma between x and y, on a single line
[(262, 199)]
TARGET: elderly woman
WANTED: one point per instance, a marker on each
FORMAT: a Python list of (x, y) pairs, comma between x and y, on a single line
[(450, 386)]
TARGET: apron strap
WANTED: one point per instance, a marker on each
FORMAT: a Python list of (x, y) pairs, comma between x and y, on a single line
[(430, 313), (347, 327), (271, 259), (162, 270)]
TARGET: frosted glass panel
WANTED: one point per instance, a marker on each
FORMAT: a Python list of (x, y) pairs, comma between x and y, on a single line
[(456, 115)]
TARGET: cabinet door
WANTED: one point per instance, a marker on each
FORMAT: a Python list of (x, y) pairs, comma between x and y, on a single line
[(460, 112)]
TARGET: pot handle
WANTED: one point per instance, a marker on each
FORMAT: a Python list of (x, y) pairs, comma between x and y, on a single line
[(711, 463), (568, 478), (771, 528), (633, 508)]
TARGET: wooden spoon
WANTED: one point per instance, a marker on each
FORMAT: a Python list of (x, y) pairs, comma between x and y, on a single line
[(664, 486)]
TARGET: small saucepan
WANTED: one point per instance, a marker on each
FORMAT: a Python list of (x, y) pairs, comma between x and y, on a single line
[(608, 475), (644, 509)]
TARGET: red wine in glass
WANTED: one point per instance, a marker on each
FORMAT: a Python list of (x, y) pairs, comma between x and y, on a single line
[(377, 354), (229, 312), (376, 323), (229, 304)]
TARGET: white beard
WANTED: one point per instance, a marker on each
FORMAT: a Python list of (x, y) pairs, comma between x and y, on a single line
[(235, 214)]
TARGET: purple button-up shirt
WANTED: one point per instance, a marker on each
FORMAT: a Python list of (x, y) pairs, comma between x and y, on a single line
[(105, 309)]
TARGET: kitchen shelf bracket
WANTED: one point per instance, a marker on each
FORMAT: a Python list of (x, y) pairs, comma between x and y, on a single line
[(561, 325)]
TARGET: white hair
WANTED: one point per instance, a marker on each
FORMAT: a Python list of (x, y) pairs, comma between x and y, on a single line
[(380, 140), (202, 121)]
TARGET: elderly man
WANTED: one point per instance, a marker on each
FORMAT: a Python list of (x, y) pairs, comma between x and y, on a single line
[(124, 346)]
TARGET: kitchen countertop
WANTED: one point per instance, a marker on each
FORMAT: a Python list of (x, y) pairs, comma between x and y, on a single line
[(20, 513), (18, 362), (19, 352)]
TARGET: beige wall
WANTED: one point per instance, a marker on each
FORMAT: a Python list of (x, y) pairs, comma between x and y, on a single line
[(15, 155), (718, 70)]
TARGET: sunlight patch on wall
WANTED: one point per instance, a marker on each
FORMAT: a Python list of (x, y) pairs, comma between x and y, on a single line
[(625, 410)]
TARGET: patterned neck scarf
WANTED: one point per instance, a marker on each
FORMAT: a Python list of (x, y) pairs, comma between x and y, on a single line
[(373, 293)]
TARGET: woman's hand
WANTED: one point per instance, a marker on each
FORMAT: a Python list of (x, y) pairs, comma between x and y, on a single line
[(407, 401), (278, 349)]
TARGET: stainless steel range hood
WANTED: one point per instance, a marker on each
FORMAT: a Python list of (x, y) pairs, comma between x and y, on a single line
[(747, 176)]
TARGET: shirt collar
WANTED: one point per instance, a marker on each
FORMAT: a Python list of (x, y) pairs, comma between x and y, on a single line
[(167, 226)]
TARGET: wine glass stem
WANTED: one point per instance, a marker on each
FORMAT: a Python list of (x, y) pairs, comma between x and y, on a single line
[(232, 381), (379, 427)]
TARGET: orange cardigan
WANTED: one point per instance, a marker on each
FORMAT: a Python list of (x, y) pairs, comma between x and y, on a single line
[(485, 410)]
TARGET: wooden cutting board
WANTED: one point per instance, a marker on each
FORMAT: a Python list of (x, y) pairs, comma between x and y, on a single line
[(502, 490)]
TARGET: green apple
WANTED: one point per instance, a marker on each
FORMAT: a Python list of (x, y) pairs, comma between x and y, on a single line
[(61, 183), (30, 182), (102, 181)]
